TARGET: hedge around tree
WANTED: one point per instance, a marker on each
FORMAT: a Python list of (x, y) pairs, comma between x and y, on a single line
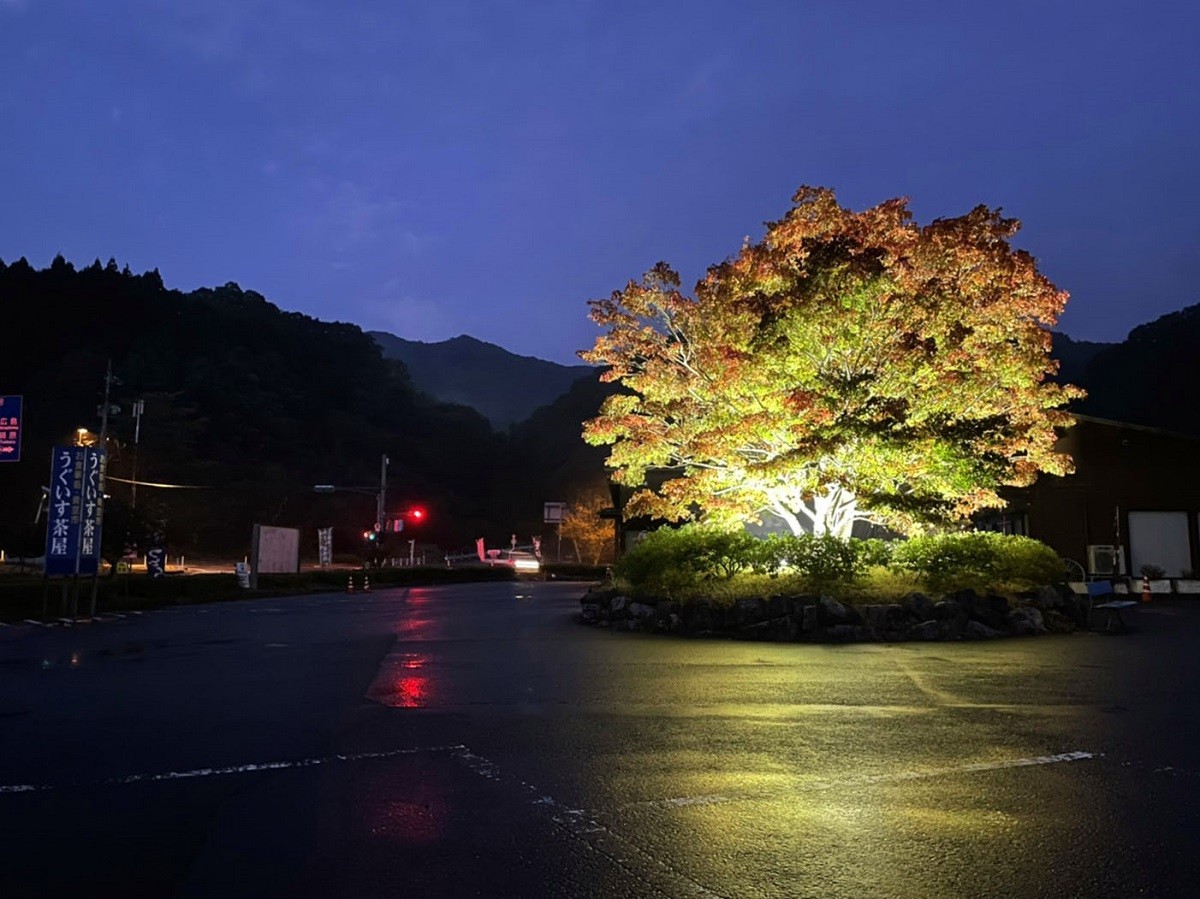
[(694, 562)]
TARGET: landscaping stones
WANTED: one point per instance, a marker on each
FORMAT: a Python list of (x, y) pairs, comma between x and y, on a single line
[(963, 615)]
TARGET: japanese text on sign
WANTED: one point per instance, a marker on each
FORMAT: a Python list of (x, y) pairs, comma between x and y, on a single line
[(10, 428), (73, 526)]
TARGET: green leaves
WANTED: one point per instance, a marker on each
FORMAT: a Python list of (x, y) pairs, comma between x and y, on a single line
[(846, 353)]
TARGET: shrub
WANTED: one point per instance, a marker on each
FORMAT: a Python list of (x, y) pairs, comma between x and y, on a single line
[(673, 562), (822, 560), (980, 560)]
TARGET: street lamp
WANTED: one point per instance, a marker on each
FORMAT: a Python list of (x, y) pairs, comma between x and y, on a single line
[(380, 495)]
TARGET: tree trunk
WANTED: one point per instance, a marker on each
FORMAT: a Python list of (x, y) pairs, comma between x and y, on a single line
[(833, 512)]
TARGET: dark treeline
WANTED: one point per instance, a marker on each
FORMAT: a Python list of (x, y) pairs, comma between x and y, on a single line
[(257, 405)]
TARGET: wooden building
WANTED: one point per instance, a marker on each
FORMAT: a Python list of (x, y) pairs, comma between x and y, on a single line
[(1133, 500)]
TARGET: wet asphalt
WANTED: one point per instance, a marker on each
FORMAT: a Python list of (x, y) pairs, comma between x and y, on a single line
[(477, 741)]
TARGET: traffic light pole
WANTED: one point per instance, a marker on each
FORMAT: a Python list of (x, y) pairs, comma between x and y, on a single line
[(381, 499)]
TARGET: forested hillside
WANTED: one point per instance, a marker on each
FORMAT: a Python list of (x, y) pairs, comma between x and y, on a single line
[(502, 386), (252, 404), (1149, 378)]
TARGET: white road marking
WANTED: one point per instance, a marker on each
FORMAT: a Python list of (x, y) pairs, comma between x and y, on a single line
[(974, 767), (233, 769), (581, 824), (653, 872)]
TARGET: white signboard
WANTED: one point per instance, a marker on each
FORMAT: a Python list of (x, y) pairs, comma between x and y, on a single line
[(325, 546), (275, 550), (553, 513)]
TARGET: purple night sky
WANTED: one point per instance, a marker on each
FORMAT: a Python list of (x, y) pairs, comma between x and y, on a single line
[(436, 168)]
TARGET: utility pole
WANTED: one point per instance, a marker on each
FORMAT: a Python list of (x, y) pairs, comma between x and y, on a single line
[(382, 498), (108, 382), (138, 408)]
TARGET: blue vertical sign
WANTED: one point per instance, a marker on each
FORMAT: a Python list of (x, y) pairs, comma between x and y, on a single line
[(94, 464), (10, 428), (76, 510)]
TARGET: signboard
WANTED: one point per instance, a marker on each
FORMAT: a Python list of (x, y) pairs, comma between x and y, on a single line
[(10, 428), (325, 546), (553, 513), (73, 527), (274, 550), (156, 561)]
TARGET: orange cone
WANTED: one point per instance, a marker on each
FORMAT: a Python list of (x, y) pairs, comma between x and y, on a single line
[(350, 584), (1145, 588)]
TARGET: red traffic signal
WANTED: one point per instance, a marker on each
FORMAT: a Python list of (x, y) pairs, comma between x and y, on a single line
[(417, 514)]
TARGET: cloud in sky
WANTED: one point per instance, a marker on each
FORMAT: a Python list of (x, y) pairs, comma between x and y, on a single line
[(515, 159)]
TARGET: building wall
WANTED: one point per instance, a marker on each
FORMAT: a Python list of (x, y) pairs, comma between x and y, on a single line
[(1118, 469)]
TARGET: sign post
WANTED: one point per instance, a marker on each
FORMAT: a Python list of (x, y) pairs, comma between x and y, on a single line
[(11, 417), (76, 516), (553, 513)]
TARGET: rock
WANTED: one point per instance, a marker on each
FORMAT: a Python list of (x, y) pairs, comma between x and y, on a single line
[(977, 630), (591, 612), (641, 610), (700, 617), (991, 610), (920, 606), (966, 600), (805, 618), (1047, 597), (947, 609), (618, 608), (832, 612), (883, 620), (1026, 621), (748, 611), (1058, 623), (926, 630), (776, 607), (847, 633)]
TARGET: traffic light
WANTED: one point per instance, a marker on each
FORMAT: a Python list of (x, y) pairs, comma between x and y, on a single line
[(417, 514), (370, 536)]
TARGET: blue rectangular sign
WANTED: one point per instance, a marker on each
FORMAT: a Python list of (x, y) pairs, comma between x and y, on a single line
[(10, 428), (76, 510)]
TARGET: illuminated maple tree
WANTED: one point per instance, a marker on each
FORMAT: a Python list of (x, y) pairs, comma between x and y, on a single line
[(583, 526), (850, 365)]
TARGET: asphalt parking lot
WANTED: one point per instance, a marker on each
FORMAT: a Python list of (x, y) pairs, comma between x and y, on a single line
[(476, 741)]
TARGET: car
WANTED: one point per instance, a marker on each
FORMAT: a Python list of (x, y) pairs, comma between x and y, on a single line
[(517, 559)]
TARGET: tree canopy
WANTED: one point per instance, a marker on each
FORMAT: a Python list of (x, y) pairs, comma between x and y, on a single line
[(850, 365)]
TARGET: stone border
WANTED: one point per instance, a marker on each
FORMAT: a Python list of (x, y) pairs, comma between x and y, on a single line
[(963, 615)]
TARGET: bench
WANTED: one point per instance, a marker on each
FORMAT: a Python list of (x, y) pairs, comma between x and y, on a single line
[(1098, 594)]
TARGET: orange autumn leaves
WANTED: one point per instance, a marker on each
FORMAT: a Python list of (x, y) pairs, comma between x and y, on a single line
[(849, 363)]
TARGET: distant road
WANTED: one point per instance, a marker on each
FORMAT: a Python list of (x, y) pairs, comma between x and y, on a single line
[(476, 741)]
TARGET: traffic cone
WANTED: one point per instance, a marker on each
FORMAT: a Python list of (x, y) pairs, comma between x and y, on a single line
[(350, 584), (1145, 588), (366, 584)]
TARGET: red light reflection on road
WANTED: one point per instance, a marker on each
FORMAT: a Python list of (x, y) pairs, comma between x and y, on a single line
[(406, 807), (400, 682)]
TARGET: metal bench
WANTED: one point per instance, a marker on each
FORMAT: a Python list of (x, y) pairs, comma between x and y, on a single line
[(1098, 594)]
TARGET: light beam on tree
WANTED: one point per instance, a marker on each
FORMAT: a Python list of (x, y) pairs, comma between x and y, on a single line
[(849, 366)]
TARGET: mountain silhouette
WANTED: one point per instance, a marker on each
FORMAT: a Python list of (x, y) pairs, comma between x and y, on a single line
[(503, 387)]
